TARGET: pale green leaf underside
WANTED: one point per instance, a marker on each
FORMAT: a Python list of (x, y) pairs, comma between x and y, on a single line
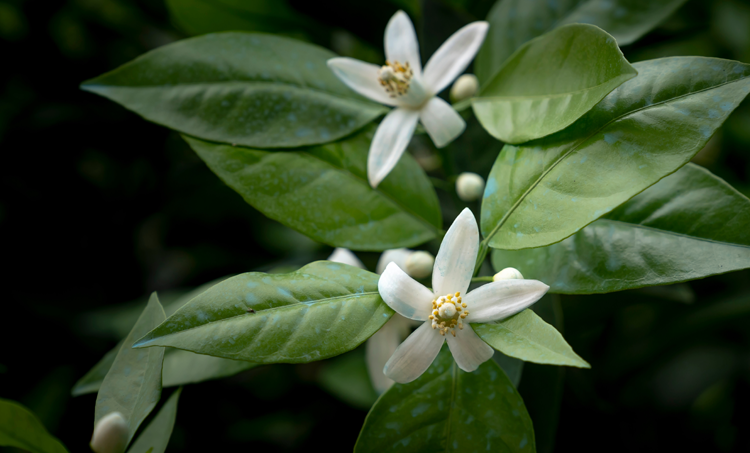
[(447, 409), (252, 89), (527, 337), (20, 428), (323, 192), (155, 437), (515, 22), (319, 311), (132, 386), (550, 82), (543, 191), (689, 225)]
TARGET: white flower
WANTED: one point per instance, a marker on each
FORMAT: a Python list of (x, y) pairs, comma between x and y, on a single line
[(464, 87), (469, 186), (110, 434), (447, 310), (345, 256), (402, 83)]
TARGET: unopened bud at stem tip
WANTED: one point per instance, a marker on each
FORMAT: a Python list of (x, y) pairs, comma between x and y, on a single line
[(508, 273), (469, 186)]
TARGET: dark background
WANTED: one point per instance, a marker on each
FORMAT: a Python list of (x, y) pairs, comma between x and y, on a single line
[(99, 208)]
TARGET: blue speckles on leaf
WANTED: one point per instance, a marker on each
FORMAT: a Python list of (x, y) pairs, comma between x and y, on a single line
[(705, 131), (420, 409)]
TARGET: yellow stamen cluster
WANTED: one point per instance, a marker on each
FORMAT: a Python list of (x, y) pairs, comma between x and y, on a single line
[(395, 78), (448, 312)]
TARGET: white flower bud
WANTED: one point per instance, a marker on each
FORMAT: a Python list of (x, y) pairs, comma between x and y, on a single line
[(508, 273), (419, 264), (469, 186), (464, 87), (345, 256), (398, 256), (110, 434)]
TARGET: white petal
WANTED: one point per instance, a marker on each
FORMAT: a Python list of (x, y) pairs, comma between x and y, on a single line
[(380, 348), (454, 263), (361, 77), (450, 60), (398, 256), (469, 351), (345, 256), (415, 354), (441, 122), (406, 296), (389, 143), (401, 42), (498, 300)]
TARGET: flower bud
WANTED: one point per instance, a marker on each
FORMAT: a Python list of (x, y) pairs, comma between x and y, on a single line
[(509, 273), (110, 434), (419, 264), (398, 256), (469, 186), (464, 87), (345, 256)]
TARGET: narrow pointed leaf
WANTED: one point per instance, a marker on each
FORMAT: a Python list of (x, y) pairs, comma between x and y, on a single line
[(447, 409), (155, 437), (20, 428), (246, 88), (132, 386), (323, 192), (543, 191), (515, 22), (550, 82), (319, 311), (527, 337), (689, 225)]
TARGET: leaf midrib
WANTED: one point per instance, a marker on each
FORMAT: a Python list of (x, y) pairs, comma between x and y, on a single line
[(585, 139), (674, 233)]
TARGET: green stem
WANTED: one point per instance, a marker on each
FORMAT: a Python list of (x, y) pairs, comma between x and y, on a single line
[(483, 247), (482, 279)]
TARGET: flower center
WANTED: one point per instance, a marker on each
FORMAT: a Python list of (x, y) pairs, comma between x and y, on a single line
[(447, 312), (395, 78)]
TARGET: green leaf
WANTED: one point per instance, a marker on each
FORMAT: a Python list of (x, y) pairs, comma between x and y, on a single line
[(323, 192), (543, 191), (514, 22), (527, 337), (180, 368), (550, 82), (689, 225), (155, 437), (19, 427), (132, 386), (512, 367), (319, 311), (449, 409), (345, 377), (198, 17), (246, 88)]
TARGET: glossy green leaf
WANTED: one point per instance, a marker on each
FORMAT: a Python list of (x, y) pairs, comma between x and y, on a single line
[(323, 192), (447, 409), (527, 337), (132, 386), (512, 367), (689, 225), (19, 427), (319, 311), (198, 17), (515, 22), (550, 82), (246, 88), (543, 191), (155, 437), (180, 368)]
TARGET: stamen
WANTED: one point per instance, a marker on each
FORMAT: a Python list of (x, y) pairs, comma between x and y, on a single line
[(448, 312), (395, 78)]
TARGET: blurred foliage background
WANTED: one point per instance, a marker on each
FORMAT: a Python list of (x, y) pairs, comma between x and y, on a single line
[(98, 208)]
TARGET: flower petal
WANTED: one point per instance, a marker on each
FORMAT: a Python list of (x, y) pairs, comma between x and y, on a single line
[(398, 256), (441, 122), (401, 42), (390, 141), (361, 77), (345, 256), (498, 300), (450, 60), (380, 348), (454, 263), (415, 354), (469, 351), (406, 296)]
